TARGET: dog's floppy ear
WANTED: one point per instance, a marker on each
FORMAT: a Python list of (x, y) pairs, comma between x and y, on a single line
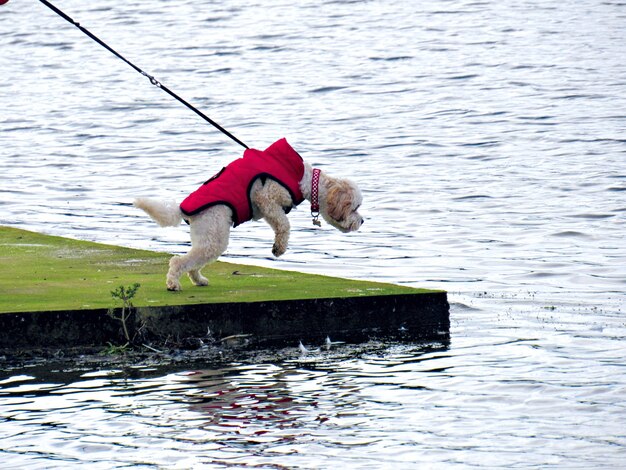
[(339, 200)]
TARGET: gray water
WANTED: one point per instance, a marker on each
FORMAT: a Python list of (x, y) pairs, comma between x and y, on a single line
[(489, 141)]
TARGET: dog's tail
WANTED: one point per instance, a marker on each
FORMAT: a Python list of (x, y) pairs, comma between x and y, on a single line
[(164, 213)]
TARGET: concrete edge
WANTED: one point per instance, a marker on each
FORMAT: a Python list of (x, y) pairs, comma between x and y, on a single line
[(422, 316)]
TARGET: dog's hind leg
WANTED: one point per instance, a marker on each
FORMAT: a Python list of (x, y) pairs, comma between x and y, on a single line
[(197, 278), (209, 239), (190, 263)]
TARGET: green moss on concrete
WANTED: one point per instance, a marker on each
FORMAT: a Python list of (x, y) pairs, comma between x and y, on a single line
[(45, 273)]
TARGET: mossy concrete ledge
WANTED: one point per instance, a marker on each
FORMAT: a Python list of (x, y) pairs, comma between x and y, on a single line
[(271, 323), (56, 293)]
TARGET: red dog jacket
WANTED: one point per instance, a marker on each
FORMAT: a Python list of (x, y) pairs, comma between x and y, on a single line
[(231, 186)]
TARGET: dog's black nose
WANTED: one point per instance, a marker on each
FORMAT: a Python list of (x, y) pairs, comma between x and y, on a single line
[(362, 220)]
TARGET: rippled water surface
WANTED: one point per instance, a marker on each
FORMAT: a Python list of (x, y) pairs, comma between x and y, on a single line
[(489, 141)]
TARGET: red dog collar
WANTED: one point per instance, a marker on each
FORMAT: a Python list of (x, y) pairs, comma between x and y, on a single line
[(315, 204)]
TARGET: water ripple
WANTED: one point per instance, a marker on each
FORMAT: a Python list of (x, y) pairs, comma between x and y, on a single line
[(488, 142)]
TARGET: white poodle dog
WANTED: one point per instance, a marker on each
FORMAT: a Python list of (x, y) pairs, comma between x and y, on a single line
[(261, 185)]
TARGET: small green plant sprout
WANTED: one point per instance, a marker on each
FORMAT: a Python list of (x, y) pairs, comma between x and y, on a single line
[(125, 294), (113, 350)]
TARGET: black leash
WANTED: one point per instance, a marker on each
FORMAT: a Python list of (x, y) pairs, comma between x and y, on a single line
[(153, 80)]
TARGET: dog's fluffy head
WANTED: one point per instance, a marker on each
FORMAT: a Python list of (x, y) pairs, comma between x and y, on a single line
[(340, 203)]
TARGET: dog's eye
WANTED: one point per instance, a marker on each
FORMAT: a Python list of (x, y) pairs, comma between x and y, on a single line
[(356, 208)]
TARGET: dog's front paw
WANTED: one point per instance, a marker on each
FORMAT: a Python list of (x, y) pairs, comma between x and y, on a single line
[(278, 249)]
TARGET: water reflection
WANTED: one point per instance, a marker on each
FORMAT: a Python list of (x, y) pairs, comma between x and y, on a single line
[(247, 414), (389, 405)]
